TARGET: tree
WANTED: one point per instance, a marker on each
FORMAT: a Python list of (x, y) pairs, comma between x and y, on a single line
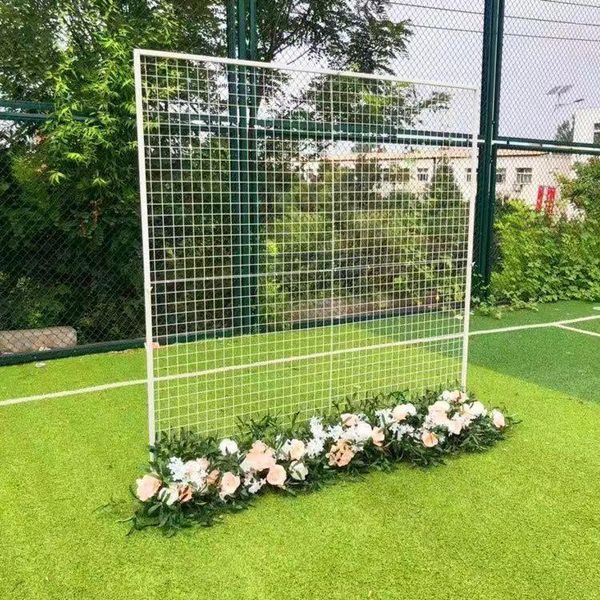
[(84, 169), (564, 132)]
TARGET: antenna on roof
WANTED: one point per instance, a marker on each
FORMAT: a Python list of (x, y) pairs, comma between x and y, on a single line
[(559, 91)]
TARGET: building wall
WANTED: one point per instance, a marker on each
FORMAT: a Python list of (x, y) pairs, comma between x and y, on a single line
[(544, 171), (585, 120)]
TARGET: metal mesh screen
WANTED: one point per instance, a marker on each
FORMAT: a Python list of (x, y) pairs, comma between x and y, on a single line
[(307, 239)]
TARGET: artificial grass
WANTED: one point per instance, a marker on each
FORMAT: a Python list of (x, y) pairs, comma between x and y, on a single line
[(98, 369), (520, 521), (557, 359), (543, 313), (593, 326)]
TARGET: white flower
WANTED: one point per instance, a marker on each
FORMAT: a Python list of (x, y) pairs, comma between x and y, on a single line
[(385, 416), (448, 396), (195, 472), (284, 450), (315, 447), (177, 469), (441, 406), (349, 419), (360, 433), (335, 433), (402, 430), (253, 485), (437, 419), (455, 425), (245, 466), (316, 427), (168, 495), (228, 446), (298, 471), (476, 409), (498, 419), (400, 412)]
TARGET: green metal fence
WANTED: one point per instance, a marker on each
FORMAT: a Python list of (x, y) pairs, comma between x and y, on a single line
[(70, 264)]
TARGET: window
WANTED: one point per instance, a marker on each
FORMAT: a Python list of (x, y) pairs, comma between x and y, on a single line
[(596, 133), (468, 174), (524, 175), (501, 175), (403, 175), (423, 174)]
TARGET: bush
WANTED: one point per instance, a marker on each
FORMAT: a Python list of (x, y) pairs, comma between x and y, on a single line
[(545, 260)]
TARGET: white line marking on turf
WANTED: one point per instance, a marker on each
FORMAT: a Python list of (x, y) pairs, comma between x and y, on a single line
[(75, 392), (594, 333), (121, 384)]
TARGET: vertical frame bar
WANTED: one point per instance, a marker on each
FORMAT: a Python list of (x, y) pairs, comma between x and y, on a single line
[(139, 105), (470, 254)]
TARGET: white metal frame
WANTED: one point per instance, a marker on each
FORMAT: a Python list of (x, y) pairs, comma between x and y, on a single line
[(149, 346)]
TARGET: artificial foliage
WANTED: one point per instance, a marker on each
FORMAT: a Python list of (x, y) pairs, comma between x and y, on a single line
[(194, 479)]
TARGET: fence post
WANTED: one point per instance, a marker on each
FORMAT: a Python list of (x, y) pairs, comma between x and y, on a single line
[(490, 109), (253, 170), (241, 33)]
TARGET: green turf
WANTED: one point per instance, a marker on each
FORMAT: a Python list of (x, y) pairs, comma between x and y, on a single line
[(84, 371), (557, 359), (520, 521), (593, 326), (544, 313)]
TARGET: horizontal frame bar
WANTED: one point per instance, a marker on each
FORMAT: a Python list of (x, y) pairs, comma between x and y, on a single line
[(295, 68), (544, 145), (139, 382)]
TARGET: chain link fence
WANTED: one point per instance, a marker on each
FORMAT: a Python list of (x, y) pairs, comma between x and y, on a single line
[(62, 283), (70, 269)]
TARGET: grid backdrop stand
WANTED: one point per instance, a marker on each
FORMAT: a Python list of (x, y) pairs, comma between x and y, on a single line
[(290, 259)]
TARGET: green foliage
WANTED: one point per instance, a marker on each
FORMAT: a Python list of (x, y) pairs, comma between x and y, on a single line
[(418, 262), (412, 437), (76, 188), (545, 260), (583, 190), (69, 194), (565, 130)]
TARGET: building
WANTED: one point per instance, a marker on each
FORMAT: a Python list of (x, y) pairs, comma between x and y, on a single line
[(519, 173), (586, 126)]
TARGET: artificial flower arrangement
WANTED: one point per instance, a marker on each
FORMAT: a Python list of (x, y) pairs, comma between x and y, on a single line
[(195, 479)]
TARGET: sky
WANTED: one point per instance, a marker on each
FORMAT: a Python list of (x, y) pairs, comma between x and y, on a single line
[(547, 43)]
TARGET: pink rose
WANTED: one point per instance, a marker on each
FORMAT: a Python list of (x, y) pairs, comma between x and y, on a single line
[(213, 477), (349, 420), (429, 439), (440, 406), (455, 426), (147, 487), (276, 476), (297, 449), (341, 453), (185, 494), (378, 436), (498, 419), (260, 457), (400, 412), (229, 484)]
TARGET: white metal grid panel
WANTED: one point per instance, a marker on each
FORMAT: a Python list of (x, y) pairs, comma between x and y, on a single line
[(305, 236)]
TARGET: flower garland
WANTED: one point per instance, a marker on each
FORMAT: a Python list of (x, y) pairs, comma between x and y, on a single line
[(195, 479)]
